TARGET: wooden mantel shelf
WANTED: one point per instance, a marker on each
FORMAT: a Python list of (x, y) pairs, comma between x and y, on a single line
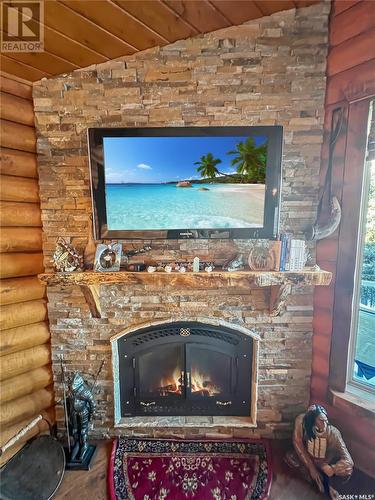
[(279, 282), (206, 280)]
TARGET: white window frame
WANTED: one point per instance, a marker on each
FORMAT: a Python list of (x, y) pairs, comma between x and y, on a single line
[(353, 384)]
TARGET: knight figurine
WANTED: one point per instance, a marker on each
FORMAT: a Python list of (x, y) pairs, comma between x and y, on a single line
[(320, 453), (81, 406)]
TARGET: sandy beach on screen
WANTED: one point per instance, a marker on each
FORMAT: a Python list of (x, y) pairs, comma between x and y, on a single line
[(257, 190)]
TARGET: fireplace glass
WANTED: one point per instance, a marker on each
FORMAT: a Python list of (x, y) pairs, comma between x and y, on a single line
[(211, 372), (161, 372), (185, 369)]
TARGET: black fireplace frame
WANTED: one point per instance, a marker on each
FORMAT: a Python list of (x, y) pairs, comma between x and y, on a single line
[(238, 346)]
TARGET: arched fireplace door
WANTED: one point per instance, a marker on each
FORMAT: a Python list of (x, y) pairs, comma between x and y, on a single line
[(185, 368)]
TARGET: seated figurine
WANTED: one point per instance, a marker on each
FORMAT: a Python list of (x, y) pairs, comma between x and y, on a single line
[(319, 451)]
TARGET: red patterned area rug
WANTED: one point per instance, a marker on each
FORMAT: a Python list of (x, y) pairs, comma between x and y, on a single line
[(172, 469)]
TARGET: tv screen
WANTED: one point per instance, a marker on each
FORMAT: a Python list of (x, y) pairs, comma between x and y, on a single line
[(185, 182)]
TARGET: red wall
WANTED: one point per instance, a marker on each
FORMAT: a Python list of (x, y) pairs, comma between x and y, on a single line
[(350, 76)]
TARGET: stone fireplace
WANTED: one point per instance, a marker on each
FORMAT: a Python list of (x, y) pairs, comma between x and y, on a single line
[(265, 72), (273, 379)]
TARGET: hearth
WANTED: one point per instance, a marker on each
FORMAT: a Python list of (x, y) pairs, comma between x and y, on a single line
[(185, 368)]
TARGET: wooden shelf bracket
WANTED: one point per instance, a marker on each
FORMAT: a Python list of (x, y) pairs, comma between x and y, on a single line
[(92, 297)]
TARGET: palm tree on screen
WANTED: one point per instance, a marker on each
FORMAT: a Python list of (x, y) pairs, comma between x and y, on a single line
[(207, 166), (250, 160)]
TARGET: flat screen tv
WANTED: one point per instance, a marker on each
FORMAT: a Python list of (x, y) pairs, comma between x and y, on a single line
[(191, 182)]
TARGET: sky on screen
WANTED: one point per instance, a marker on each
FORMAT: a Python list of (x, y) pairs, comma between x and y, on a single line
[(164, 159)]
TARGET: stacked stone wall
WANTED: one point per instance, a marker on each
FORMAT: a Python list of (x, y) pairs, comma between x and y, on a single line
[(270, 71)]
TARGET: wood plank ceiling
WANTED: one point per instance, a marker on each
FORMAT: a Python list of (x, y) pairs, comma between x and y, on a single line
[(78, 33)]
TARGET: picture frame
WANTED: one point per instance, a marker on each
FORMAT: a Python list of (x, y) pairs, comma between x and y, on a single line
[(108, 257)]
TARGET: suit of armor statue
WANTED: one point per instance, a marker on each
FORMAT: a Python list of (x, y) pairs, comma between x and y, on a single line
[(81, 409)]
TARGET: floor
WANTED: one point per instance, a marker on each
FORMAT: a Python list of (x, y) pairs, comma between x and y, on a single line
[(92, 485)]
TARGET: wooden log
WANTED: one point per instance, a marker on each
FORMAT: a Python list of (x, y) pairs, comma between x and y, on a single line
[(24, 72), (19, 189), (20, 264), (19, 163), (25, 407), (33, 422), (17, 136), (351, 23), (26, 313), (13, 214), (41, 428), (23, 337), (359, 49), (20, 239), (14, 290), (352, 83), (17, 109), (24, 361), (342, 5), (25, 383), (14, 87)]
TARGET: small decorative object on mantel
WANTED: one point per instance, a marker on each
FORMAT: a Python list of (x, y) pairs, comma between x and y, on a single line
[(151, 269), (66, 258), (294, 253), (136, 267), (108, 257), (236, 264), (265, 256), (298, 255), (137, 251), (196, 265), (320, 453)]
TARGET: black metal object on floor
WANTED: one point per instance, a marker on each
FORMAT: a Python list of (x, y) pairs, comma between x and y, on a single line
[(35, 472), (85, 463)]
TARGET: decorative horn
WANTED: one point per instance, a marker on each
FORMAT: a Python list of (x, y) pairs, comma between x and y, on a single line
[(321, 229)]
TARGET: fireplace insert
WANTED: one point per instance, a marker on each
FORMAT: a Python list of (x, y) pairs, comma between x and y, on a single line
[(185, 368)]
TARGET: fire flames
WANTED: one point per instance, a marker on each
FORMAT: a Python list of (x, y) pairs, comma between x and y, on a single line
[(171, 385), (203, 384), (200, 383)]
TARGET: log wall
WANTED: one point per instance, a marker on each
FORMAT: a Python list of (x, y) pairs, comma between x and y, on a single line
[(25, 360), (350, 80)]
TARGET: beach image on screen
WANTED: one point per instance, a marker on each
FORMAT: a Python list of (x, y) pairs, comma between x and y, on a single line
[(166, 183)]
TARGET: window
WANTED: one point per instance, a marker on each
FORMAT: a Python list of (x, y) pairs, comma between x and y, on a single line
[(361, 373), (352, 355)]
